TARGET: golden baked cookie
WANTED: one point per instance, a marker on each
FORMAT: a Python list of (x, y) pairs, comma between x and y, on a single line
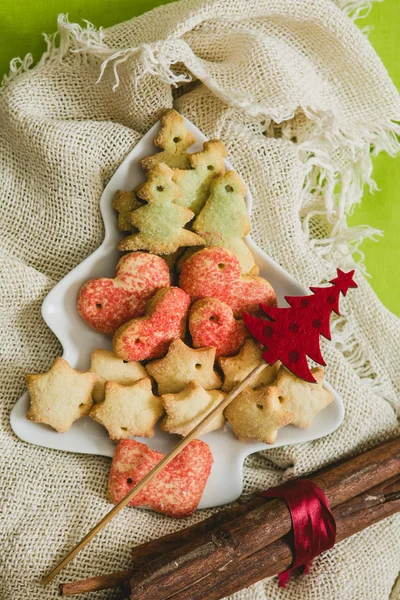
[(183, 364), (128, 410), (257, 414), (60, 396), (187, 408), (109, 367)]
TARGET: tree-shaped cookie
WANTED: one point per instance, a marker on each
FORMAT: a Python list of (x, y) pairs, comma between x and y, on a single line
[(174, 138), (160, 223), (224, 220), (195, 181), (125, 203)]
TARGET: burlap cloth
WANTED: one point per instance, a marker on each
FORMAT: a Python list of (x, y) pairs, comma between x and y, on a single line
[(300, 98)]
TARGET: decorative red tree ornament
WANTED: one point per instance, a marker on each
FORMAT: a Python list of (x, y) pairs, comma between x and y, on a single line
[(290, 334)]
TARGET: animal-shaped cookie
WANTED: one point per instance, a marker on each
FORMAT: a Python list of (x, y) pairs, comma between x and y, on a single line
[(211, 323), (106, 303), (125, 203), (150, 336), (187, 408), (182, 365), (300, 397), (236, 368), (257, 414), (160, 223), (215, 273), (176, 491), (60, 396), (224, 220), (109, 367), (174, 138), (194, 182), (128, 410)]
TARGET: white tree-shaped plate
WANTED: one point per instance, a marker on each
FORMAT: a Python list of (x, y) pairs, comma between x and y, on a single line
[(60, 313)]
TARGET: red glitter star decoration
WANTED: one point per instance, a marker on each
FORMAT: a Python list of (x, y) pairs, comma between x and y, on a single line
[(290, 334)]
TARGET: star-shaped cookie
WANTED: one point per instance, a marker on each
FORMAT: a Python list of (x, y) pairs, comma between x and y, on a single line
[(236, 368), (128, 410), (60, 396), (257, 414), (301, 398), (109, 367), (186, 409), (182, 365)]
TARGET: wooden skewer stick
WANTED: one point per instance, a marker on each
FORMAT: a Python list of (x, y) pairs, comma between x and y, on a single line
[(196, 431)]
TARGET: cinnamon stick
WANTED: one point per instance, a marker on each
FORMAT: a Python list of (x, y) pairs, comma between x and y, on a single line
[(351, 517), (245, 535), (149, 551), (145, 553), (95, 584)]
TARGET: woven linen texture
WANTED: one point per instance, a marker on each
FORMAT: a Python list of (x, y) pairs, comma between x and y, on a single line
[(300, 98)]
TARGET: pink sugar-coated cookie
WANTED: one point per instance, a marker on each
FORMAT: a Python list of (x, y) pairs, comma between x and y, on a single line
[(105, 304), (211, 323), (176, 491), (216, 273), (150, 336)]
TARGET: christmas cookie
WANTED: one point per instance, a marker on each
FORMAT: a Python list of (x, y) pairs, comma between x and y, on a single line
[(160, 223), (257, 414), (224, 220), (187, 408), (301, 398), (125, 203), (149, 336), (177, 489), (236, 368), (60, 396), (194, 182), (174, 138), (109, 367), (182, 365), (105, 303), (211, 323), (128, 410), (216, 273)]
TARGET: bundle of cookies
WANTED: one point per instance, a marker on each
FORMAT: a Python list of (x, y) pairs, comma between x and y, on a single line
[(177, 349)]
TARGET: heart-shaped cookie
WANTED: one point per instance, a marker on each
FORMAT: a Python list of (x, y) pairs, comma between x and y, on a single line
[(216, 273), (211, 323), (176, 491), (150, 336), (105, 304)]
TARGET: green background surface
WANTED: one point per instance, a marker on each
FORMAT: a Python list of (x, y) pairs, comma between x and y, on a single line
[(23, 21)]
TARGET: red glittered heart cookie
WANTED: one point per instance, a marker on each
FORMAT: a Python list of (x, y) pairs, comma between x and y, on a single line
[(211, 323), (105, 304), (176, 491), (150, 336), (216, 273)]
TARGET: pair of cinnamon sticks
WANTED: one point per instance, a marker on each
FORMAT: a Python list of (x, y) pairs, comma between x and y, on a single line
[(239, 546)]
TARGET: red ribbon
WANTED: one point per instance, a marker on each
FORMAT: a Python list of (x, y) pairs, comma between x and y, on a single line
[(314, 527)]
